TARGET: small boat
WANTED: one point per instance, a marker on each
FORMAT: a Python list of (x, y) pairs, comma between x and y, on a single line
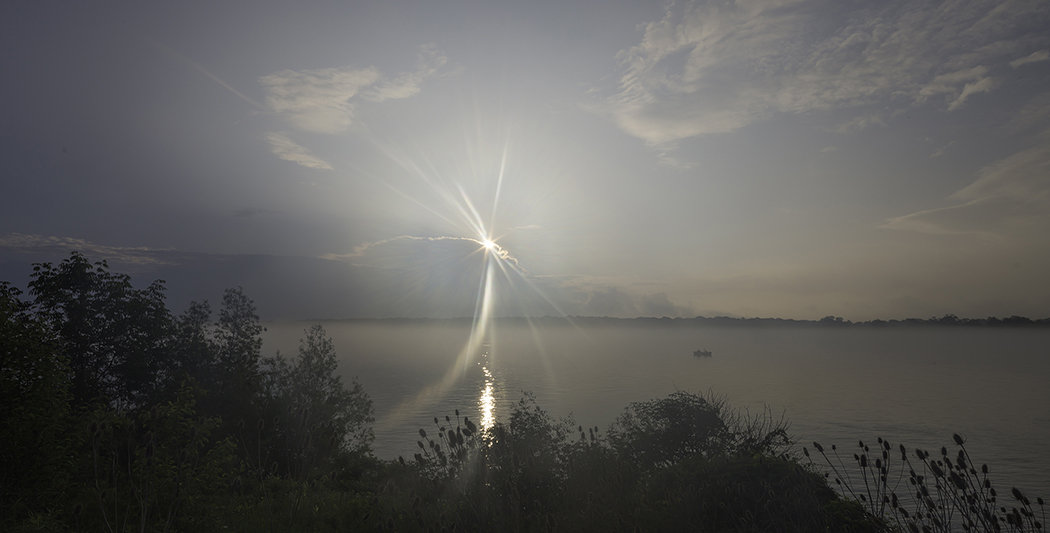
[(702, 353)]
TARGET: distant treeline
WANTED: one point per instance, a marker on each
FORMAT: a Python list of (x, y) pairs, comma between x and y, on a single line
[(725, 321)]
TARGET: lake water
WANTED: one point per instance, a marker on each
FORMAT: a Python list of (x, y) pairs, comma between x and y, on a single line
[(915, 386)]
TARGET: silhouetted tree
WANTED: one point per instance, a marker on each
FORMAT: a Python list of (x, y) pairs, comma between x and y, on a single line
[(237, 385), (115, 336), (34, 406), (194, 350), (318, 416)]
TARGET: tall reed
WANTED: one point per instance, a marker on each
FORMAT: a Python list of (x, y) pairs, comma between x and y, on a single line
[(927, 493)]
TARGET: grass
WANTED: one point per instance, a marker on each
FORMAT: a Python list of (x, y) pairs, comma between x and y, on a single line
[(920, 492)]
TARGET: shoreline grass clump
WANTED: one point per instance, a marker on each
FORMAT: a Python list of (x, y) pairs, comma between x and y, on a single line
[(921, 492)]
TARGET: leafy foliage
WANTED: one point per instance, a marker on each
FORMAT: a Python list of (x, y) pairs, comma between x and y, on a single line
[(34, 395), (317, 415), (662, 432), (113, 335)]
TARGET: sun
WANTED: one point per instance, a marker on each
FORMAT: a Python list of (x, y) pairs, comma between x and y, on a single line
[(488, 244)]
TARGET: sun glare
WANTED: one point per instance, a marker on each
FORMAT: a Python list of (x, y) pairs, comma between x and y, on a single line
[(455, 206)]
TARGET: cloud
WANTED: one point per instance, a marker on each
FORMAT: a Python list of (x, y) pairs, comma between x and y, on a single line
[(940, 151), (1034, 114), (453, 267), (949, 84), (1041, 55), (714, 67), (861, 122), (410, 252), (618, 301), (325, 100), (1010, 198), (289, 150), (982, 85), (131, 258), (408, 83), (317, 101)]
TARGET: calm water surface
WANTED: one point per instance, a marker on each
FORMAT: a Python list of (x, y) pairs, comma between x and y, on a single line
[(911, 386)]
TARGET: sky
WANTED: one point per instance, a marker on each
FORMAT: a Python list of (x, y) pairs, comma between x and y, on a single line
[(785, 158)]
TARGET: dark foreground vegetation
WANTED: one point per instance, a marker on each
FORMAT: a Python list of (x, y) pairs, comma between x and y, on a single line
[(116, 415)]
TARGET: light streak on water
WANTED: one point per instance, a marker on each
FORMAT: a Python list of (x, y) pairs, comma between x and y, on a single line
[(487, 403)]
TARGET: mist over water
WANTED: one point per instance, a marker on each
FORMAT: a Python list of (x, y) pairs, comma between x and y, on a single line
[(914, 386)]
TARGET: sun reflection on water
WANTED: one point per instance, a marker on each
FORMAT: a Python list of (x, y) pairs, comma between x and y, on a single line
[(487, 403)]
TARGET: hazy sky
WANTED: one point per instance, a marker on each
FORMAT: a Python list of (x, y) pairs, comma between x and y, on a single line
[(754, 158)]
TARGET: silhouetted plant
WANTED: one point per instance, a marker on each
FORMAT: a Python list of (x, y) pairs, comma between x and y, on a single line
[(147, 471), (35, 401), (113, 334), (931, 494)]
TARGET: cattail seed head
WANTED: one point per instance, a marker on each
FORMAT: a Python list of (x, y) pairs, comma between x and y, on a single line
[(422, 433), (958, 440), (936, 470)]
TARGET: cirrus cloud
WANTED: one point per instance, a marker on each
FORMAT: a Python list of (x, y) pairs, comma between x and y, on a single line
[(289, 150), (714, 67), (325, 100), (1009, 198)]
